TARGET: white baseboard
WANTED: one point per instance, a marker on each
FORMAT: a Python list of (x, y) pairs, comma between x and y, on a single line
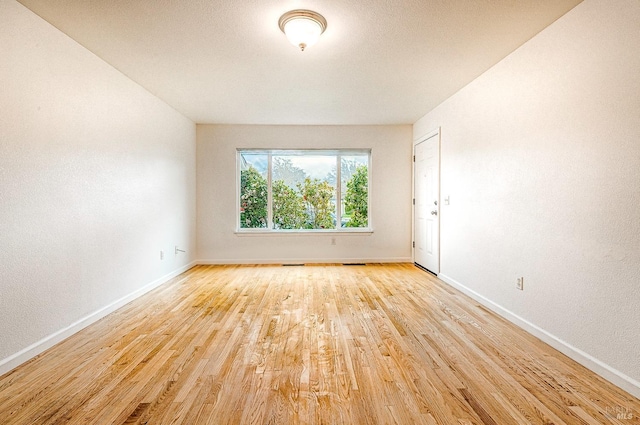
[(24, 355), (604, 370), (49, 341), (609, 373), (306, 260)]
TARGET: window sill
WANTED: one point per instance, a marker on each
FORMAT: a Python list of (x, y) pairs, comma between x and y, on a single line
[(350, 232)]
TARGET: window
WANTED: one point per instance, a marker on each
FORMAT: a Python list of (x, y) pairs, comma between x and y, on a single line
[(311, 190)]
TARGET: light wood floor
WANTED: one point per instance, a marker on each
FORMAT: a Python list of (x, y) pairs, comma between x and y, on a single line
[(318, 344)]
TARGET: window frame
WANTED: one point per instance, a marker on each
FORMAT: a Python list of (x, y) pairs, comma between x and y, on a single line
[(338, 153)]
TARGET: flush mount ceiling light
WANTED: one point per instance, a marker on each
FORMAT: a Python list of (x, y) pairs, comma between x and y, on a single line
[(302, 27)]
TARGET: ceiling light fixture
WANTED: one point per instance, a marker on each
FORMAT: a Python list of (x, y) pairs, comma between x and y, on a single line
[(302, 27)]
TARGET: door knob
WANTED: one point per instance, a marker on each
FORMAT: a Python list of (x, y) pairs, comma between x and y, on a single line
[(434, 212)]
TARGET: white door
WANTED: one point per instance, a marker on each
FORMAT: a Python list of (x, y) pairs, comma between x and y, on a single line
[(426, 193)]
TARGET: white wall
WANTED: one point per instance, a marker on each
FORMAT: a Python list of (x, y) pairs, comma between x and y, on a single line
[(541, 159), (96, 177), (390, 195)]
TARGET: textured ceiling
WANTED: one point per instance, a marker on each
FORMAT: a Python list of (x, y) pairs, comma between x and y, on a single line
[(226, 61)]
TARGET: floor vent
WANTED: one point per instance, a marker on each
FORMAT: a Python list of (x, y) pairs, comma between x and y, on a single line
[(292, 265), (354, 264)]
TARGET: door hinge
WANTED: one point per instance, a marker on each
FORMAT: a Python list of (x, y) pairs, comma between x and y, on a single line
[(414, 158), (414, 201), (414, 244)]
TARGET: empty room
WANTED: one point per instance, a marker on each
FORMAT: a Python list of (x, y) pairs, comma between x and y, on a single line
[(320, 212)]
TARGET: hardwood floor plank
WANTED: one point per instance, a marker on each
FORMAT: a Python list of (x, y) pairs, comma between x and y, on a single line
[(313, 344)]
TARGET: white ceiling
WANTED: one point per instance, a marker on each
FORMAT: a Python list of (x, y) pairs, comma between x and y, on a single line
[(226, 61)]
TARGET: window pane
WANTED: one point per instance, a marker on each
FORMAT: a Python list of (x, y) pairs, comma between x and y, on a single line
[(288, 207), (354, 187), (303, 189), (253, 190), (303, 198)]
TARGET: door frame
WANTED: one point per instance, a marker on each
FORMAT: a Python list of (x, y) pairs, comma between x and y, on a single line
[(433, 133)]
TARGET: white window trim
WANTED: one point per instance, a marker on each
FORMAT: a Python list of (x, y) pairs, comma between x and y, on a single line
[(339, 153)]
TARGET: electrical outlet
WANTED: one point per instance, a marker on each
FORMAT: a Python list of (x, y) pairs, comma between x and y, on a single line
[(162, 255), (333, 241), (520, 283)]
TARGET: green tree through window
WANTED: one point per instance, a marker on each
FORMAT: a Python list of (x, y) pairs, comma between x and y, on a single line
[(317, 196), (253, 199), (288, 207), (303, 190), (357, 198)]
